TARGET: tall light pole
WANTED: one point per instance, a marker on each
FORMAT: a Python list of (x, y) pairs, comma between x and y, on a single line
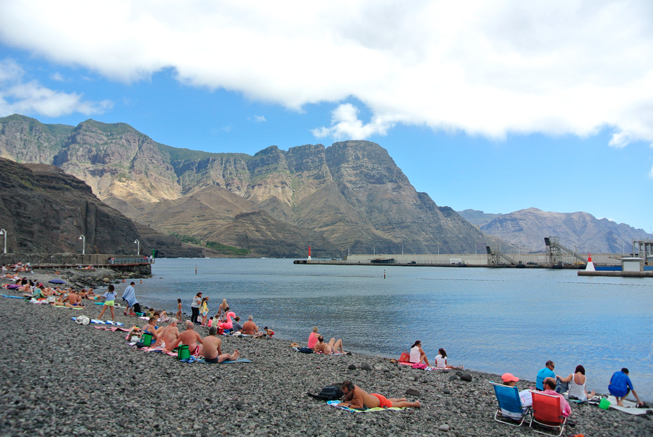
[(138, 247), (83, 238), (3, 232)]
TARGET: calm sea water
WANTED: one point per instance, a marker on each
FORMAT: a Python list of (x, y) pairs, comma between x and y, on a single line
[(492, 320)]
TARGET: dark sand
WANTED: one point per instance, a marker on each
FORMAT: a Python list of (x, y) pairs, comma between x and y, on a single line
[(60, 378)]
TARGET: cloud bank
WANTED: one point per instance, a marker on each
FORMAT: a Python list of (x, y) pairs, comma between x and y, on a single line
[(18, 96), (486, 68)]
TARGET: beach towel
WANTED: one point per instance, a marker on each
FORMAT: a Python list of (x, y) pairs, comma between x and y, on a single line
[(367, 410), (13, 297), (129, 295), (629, 407), (239, 360)]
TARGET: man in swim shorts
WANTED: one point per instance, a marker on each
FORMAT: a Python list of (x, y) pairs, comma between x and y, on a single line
[(356, 397), (73, 300), (328, 348), (213, 348), (190, 338), (620, 385)]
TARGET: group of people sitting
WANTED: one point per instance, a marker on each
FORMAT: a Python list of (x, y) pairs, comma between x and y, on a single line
[(16, 268), (316, 344), (418, 356), (575, 383)]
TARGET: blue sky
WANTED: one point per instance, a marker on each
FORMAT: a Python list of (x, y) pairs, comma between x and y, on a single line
[(493, 108)]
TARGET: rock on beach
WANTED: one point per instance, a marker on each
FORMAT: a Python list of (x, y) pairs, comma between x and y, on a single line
[(59, 378)]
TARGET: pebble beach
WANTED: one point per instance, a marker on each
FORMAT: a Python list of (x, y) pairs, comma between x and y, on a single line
[(61, 378)]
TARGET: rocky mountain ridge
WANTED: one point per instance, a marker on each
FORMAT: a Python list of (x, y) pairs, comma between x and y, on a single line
[(352, 194), (527, 228)]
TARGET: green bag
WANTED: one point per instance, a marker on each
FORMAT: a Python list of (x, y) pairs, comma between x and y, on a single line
[(183, 352), (146, 339)]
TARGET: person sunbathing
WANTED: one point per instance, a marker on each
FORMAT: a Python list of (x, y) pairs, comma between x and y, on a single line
[(417, 354), (73, 300), (356, 397), (170, 334), (213, 348), (250, 328), (190, 338), (328, 348), (441, 361), (151, 328)]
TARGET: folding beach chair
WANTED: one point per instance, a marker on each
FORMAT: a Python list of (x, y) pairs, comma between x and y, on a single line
[(510, 407), (546, 412)]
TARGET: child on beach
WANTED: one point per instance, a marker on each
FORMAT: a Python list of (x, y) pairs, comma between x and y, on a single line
[(178, 315), (269, 332), (210, 324), (109, 301), (204, 310)]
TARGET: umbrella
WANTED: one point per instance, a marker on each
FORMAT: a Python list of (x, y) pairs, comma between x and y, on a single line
[(57, 281)]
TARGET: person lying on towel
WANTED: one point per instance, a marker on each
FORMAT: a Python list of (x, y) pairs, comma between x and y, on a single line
[(356, 397)]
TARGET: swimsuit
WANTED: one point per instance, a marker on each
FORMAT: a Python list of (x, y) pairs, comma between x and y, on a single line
[(196, 352), (211, 360), (383, 401)]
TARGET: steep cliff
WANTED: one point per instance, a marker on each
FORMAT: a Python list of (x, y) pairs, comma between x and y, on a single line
[(45, 210)]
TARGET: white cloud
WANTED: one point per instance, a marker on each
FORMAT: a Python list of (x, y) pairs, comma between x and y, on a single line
[(346, 125), (487, 68), (650, 174), (18, 96), (259, 118), (56, 76)]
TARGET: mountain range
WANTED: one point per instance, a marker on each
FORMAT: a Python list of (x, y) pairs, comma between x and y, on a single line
[(581, 231), (350, 196)]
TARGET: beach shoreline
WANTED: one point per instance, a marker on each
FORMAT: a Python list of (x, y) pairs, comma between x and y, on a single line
[(60, 378)]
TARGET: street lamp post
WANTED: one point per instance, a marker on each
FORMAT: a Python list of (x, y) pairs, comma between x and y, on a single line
[(138, 247), (3, 232), (83, 238)]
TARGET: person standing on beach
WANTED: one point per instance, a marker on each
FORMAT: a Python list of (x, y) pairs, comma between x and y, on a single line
[(204, 309), (213, 349), (545, 372), (620, 385), (129, 296), (356, 397), (178, 315), (195, 307), (109, 301)]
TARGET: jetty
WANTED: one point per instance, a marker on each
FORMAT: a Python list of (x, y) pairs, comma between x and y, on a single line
[(120, 263)]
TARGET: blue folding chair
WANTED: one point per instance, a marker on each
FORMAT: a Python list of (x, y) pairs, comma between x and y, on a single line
[(510, 406)]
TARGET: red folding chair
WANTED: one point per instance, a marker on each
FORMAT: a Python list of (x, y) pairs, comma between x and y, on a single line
[(546, 412)]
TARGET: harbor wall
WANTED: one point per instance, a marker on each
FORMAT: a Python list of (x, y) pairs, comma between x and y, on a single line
[(538, 259)]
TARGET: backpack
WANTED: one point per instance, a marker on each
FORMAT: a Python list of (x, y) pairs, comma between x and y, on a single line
[(328, 393)]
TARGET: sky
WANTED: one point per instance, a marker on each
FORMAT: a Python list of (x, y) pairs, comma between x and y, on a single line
[(495, 106)]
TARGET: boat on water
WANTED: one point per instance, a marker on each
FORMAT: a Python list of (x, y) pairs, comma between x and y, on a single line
[(383, 261)]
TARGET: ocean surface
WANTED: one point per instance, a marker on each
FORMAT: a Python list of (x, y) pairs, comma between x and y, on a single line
[(490, 320)]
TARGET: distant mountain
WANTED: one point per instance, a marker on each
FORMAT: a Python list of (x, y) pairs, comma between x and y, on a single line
[(579, 230), (351, 194), (45, 210), (476, 217)]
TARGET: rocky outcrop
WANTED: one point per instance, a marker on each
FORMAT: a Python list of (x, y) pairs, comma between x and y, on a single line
[(45, 210)]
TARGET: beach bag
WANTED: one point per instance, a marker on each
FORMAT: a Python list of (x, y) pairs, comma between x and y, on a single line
[(146, 339), (404, 358), (328, 393), (182, 352)]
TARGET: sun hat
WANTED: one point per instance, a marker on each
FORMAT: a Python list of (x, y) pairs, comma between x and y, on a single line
[(509, 377)]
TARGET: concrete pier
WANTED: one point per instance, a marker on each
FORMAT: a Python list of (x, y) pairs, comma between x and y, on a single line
[(537, 260)]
